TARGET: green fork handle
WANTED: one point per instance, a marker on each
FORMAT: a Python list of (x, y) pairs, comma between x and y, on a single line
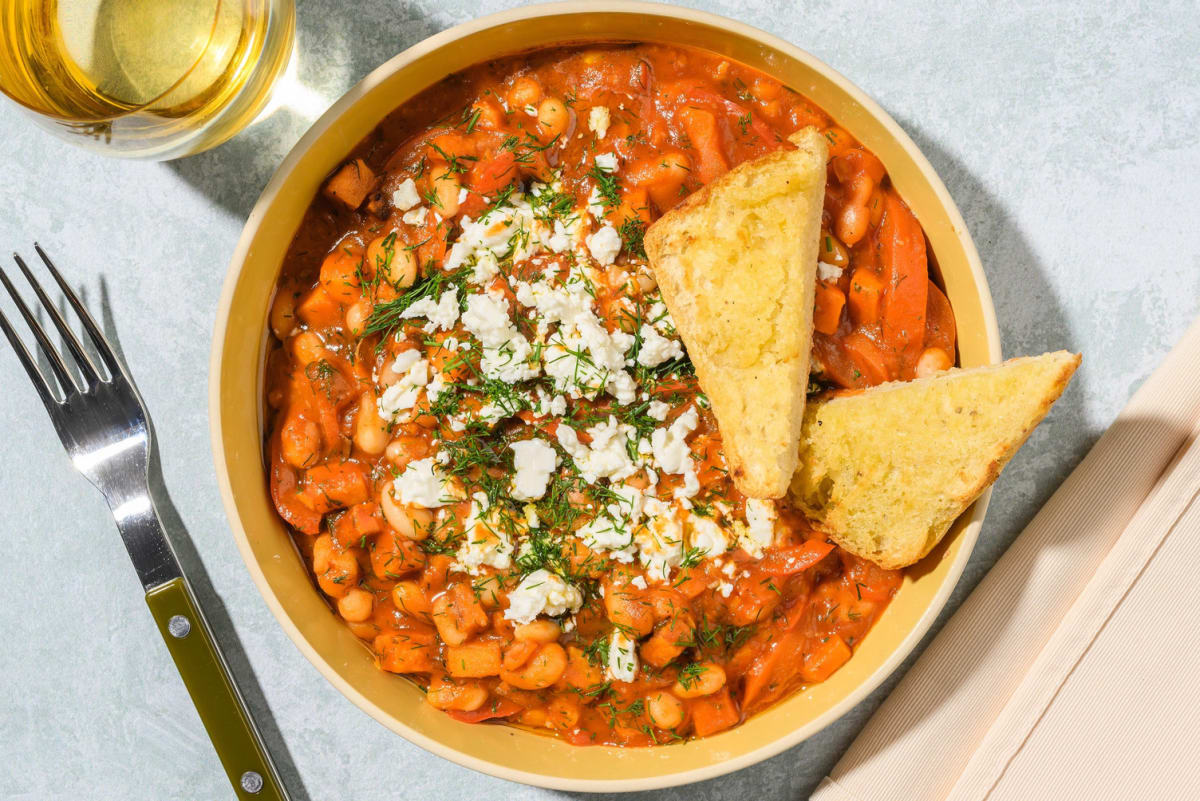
[(217, 699)]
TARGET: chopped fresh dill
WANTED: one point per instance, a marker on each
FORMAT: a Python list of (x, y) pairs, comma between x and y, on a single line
[(607, 185), (633, 233), (386, 317)]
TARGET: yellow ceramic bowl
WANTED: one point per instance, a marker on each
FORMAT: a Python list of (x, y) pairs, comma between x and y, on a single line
[(237, 377)]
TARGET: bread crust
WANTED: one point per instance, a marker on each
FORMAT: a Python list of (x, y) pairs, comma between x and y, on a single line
[(736, 262)]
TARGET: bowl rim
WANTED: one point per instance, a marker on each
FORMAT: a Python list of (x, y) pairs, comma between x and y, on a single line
[(969, 533)]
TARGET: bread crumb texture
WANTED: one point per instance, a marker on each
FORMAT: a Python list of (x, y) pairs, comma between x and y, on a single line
[(885, 472)]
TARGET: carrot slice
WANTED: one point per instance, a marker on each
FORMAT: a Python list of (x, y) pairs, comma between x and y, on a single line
[(827, 311), (450, 145), (333, 486), (714, 713), (939, 321), (487, 177), (701, 129), (865, 292), (906, 274), (870, 365), (635, 205), (825, 658), (769, 675)]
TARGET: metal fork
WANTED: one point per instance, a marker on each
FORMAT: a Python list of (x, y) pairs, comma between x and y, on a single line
[(102, 423)]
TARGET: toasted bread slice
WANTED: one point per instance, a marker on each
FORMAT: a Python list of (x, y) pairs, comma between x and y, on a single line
[(885, 472), (736, 262)]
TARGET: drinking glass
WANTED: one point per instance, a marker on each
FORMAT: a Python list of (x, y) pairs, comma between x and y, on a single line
[(149, 79)]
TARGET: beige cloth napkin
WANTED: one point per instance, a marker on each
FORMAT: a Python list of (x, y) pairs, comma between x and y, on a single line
[(1071, 671)]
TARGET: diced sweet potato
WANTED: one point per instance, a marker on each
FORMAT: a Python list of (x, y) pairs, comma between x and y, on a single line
[(714, 713), (409, 651), (318, 310), (351, 184), (474, 660)]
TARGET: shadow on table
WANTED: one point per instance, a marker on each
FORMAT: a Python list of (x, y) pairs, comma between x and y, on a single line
[(210, 602), (333, 51)]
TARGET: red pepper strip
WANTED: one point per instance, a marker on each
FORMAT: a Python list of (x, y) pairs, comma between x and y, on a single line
[(794, 558), (499, 708)]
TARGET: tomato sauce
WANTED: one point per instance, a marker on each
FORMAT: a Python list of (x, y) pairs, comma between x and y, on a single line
[(488, 440)]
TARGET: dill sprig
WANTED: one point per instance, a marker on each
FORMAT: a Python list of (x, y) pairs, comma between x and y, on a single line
[(386, 317), (607, 185), (633, 234)]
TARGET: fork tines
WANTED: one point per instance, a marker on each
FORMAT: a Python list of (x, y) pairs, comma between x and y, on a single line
[(90, 375)]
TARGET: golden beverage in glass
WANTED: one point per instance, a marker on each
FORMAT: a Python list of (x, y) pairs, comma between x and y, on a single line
[(154, 79)]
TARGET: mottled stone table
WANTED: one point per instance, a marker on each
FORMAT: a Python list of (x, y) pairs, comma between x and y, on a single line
[(1068, 135)]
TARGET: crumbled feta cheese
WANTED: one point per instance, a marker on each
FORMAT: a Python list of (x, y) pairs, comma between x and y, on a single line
[(613, 531), (534, 461), (672, 454), (581, 355), (435, 386), (492, 413), (560, 240), (415, 216), (622, 657), (660, 540), (660, 318), (656, 348), (511, 230), (506, 351), (725, 588), (595, 204), (463, 194), (639, 582), (657, 410), (828, 272), (406, 195), (422, 484), (542, 592), (706, 536), (550, 405), (483, 543), (598, 121), (607, 456), (403, 395), (604, 245), (760, 527), (404, 360), (443, 314), (606, 162)]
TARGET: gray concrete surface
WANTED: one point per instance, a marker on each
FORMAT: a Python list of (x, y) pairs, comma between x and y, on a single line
[(1068, 134)]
